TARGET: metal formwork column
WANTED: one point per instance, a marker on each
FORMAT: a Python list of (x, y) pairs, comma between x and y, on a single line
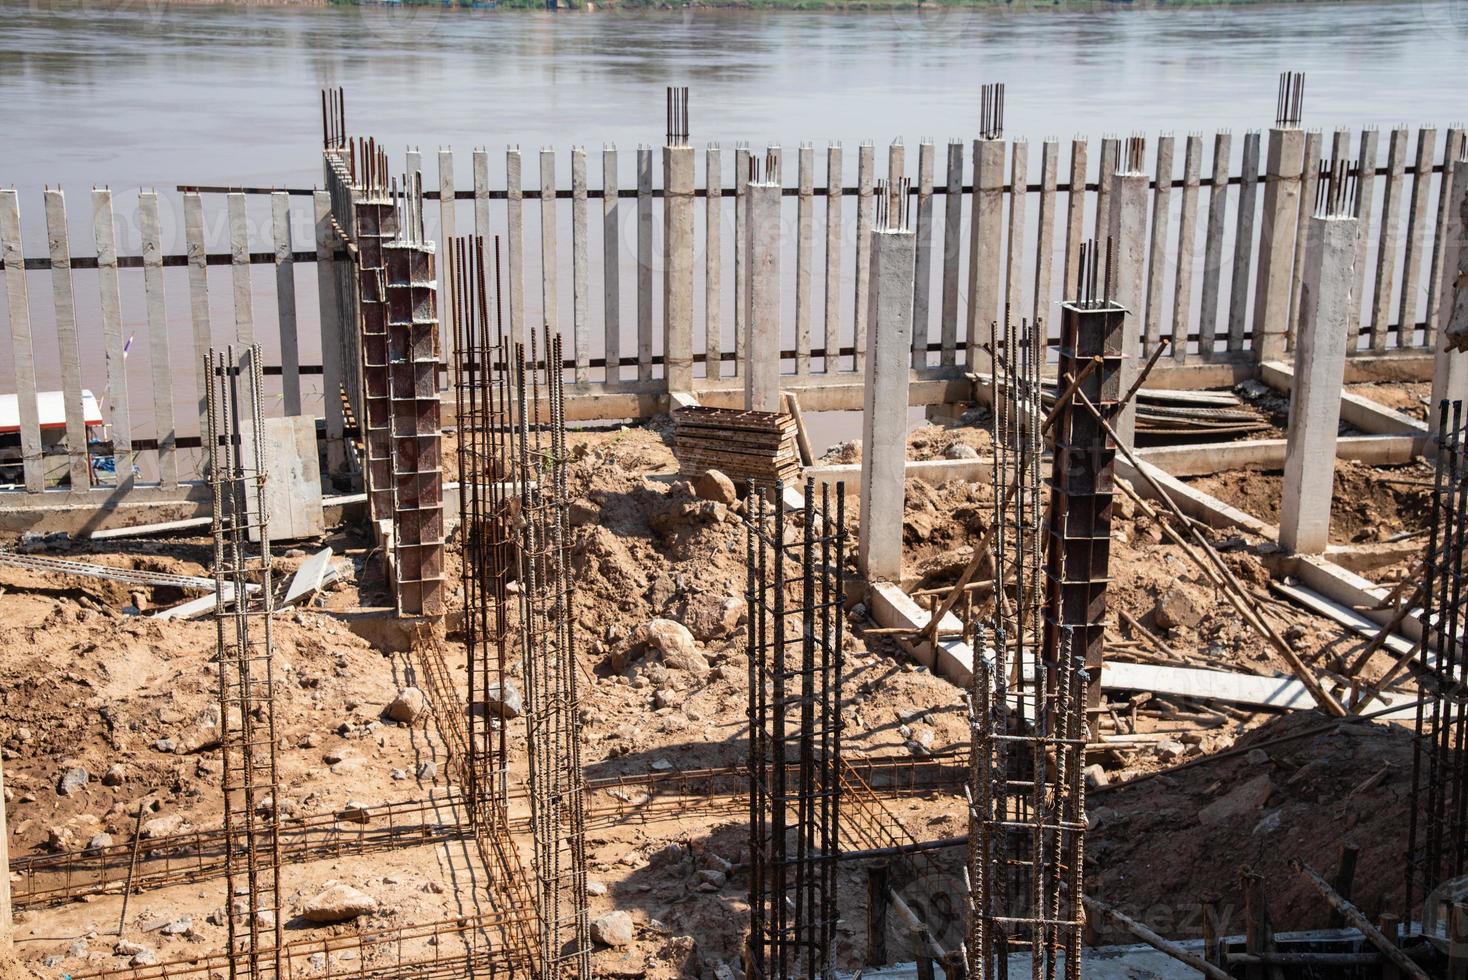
[(412, 358)]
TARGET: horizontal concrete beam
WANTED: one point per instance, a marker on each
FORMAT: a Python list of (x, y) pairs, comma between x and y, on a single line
[(933, 471), (1194, 503), (950, 659), (1269, 454), (1357, 411)]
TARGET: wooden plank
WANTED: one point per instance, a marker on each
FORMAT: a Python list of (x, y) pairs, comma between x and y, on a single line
[(198, 250), (1440, 292), (447, 230), (112, 341), (482, 226), (832, 340), (804, 249), (239, 261), (713, 342), (1364, 211), (164, 424), (332, 346), (1386, 249), (1110, 147), (580, 266), (292, 498), (866, 180), (66, 338), (644, 263), (549, 289), (1157, 251), (611, 265), (952, 254), (22, 351), (1014, 259), (285, 297), (1075, 219), (515, 245), (1417, 214), (1213, 243), (922, 286), (1045, 240), (1308, 178), (741, 264), (1187, 241), (1238, 294)]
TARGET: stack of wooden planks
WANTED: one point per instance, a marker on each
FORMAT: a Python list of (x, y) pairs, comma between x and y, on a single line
[(758, 446)]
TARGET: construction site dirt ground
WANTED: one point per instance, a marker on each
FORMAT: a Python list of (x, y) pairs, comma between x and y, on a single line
[(90, 681)]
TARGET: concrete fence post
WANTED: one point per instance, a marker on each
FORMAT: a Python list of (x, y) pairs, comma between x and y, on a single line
[(678, 206), (762, 306), (986, 242), (1450, 366), (1128, 259), (884, 404), (1282, 179), (1327, 318)]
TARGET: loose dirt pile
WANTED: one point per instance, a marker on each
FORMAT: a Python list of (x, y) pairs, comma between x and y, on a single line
[(87, 684)]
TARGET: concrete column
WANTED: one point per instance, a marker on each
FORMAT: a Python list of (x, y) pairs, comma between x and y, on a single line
[(1327, 315), (1450, 366), (762, 306), (678, 267), (884, 405), (986, 241), (1128, 233), (1283, 170)]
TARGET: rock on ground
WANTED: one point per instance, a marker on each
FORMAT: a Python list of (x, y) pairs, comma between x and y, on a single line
[(612, 929), (675, 645), (73, 780), (713, 485), (408, 706), (504, 700), (1175, 609), (1242, 801), (337, 903)]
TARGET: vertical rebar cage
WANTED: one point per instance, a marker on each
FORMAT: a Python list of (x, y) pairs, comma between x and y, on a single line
[(1437, 832), (1026, 702), (243, 608), (488, 503), (795, 587), (557, 784)]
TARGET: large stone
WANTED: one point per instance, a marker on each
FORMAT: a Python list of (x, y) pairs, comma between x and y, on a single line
[(1239, 803), (408, 706), (613, 929), (1175, 609), (674, 644), (73, 780), (162, 826), (503, 700), (710, 616), (713, 485), (337, 903)]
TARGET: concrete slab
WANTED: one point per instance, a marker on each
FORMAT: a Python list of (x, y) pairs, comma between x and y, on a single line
[(1269, 454), (292, 479)]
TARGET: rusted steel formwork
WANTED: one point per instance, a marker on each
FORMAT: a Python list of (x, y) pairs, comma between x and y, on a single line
[(414, 440)]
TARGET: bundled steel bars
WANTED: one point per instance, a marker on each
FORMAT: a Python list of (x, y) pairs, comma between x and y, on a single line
[(557, 784), (795, 674), (1289, 103), (246, 702), (677, 98), (1437, 829)]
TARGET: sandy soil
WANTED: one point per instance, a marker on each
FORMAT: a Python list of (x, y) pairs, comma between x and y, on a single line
[(85, 683)]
